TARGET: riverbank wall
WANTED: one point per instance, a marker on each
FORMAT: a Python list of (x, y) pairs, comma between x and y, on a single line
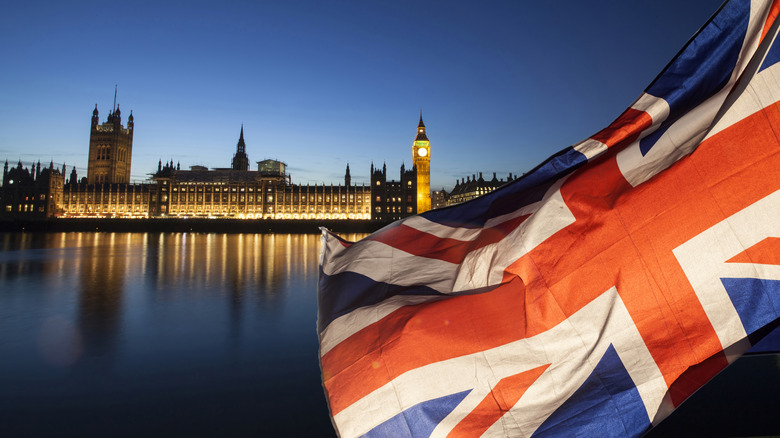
[(299, 226)]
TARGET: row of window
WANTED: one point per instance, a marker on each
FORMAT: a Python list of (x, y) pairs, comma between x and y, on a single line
[(25, 208), (282, 199), (101, 178), (41, 196), (104, 153), (217, 188), (394, 199), (392, 209), (174, 209), (73, 197), (81, 208), (271, 215), (393, 183)]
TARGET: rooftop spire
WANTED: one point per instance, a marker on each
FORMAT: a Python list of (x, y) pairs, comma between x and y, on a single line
[(240, 159), (421, 130), (241, 144)]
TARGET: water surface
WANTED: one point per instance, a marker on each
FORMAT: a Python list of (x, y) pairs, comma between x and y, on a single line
[(185, 334)]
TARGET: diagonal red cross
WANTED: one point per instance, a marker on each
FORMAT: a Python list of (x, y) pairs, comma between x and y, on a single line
[(624, 237)]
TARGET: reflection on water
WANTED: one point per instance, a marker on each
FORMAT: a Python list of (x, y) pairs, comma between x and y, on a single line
[(145, 330), (166, 265), (101, 278)]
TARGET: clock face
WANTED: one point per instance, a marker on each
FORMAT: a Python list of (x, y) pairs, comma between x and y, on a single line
[(422, 152)]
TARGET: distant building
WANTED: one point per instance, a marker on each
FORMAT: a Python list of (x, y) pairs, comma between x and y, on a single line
[(234, 192), (439, 198), (110, 149), (393, 200), (468, 189), (265, 193), (30, 193)]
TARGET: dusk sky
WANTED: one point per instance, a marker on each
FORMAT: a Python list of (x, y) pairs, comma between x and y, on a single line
[(318, 84)]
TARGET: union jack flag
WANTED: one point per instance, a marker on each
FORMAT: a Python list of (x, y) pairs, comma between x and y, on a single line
[(594, 294)]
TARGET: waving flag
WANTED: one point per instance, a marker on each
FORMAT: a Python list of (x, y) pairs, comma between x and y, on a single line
[(595, 294)]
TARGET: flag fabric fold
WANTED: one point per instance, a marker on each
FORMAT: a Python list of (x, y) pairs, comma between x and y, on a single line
[(593, 295)]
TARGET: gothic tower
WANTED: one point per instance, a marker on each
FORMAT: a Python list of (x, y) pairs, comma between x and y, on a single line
[(421, 153), (110, 149), (240, 159)]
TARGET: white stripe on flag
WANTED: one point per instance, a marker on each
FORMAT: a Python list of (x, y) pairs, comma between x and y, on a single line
[(573, 348), (703, 260)]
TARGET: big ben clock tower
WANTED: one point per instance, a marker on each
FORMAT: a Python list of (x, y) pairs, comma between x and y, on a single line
[(421, 152)]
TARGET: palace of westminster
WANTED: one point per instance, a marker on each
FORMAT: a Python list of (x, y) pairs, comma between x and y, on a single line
[(235, 192)]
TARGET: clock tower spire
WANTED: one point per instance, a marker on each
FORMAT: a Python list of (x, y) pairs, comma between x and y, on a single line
[(421, 157)]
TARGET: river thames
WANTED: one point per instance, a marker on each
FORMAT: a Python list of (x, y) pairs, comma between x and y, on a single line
[(187, 334)]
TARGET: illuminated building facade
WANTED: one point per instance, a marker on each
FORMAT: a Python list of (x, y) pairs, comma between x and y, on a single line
[(421, 156), (234, 192), (30, 193), (265, 193), (262, 194), (107, 200), (110, 149)]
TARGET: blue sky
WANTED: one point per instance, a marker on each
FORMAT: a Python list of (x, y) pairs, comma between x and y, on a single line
[(319, 84)]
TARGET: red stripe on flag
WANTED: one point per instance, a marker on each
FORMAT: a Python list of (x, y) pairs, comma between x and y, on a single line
[(624, 237), (423, 244), (765, 252), (504, 395), (625, 129), (773, 12), (420, 243), (414, 336)]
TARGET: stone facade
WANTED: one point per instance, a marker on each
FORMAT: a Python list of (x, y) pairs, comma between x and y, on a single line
[(260, 194), (393, 200), (31, 193), (110, 149)]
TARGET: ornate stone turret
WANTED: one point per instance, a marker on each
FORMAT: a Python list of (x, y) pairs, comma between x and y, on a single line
[(110, 149)]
